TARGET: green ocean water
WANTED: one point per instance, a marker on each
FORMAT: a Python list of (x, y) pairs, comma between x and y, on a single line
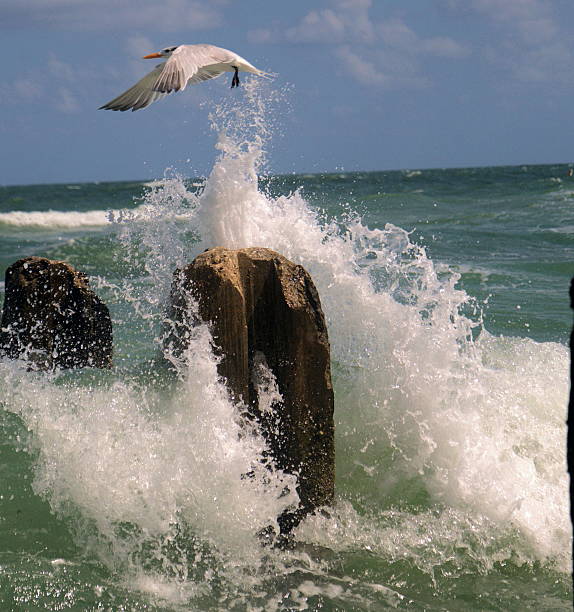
[(446, 298)]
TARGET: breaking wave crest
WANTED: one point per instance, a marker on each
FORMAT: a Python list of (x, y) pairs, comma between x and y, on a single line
[(449, 440)]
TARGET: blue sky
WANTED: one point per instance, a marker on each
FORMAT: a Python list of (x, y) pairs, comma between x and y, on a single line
[(365, 84)]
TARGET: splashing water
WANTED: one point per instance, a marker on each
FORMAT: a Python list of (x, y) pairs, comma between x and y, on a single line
[(448, 439)]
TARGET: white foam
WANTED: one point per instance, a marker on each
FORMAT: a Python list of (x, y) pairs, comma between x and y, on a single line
[(474, 428), (55, 219), (416, 397), (123, 455)]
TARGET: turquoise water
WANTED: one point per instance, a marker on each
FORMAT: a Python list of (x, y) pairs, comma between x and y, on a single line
[(445, 293)]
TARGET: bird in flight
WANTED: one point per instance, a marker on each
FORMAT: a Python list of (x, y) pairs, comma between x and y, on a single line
[(184, 65)]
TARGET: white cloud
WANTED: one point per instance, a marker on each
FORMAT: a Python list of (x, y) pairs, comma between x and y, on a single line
[(357, 12), (261, 36), (510, 10), (318, 26), (170, 15), (137, 46), (24, 89), (549, 63), (347, 20), (54, 84), (364, 71), (443, 47), (386, 54), (59, 69), (534, 47), (384, 68), (395, 33), (65, 101), (27, 89), (531, 19), (166, 16)]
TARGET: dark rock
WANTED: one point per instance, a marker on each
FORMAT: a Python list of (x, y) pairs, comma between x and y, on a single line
[(51, 318), (265, 315)]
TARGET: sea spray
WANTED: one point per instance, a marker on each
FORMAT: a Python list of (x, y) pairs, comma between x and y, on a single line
[(449, 440), (421, 412), (418, 399), (134, 467), (414, 399)]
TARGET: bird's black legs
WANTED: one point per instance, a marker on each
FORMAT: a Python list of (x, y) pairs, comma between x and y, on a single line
[(235, 79)]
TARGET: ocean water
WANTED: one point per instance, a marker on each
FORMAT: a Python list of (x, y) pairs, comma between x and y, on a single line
[(446, 298)]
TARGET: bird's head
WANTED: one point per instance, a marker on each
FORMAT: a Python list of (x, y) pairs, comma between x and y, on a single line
[(163, 53)]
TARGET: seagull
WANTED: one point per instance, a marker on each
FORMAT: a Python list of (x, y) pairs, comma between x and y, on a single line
[(184, 65)]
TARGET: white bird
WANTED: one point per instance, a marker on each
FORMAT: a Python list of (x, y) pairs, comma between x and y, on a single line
[(184, 65)]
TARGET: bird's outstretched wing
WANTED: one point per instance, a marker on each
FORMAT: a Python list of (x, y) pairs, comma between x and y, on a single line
[(188, 64), (140, 95)]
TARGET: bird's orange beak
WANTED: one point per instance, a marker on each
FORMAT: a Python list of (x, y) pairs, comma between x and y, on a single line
[(152, 55)]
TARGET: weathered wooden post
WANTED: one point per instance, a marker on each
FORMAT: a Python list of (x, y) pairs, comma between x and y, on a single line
[(264, 310)]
